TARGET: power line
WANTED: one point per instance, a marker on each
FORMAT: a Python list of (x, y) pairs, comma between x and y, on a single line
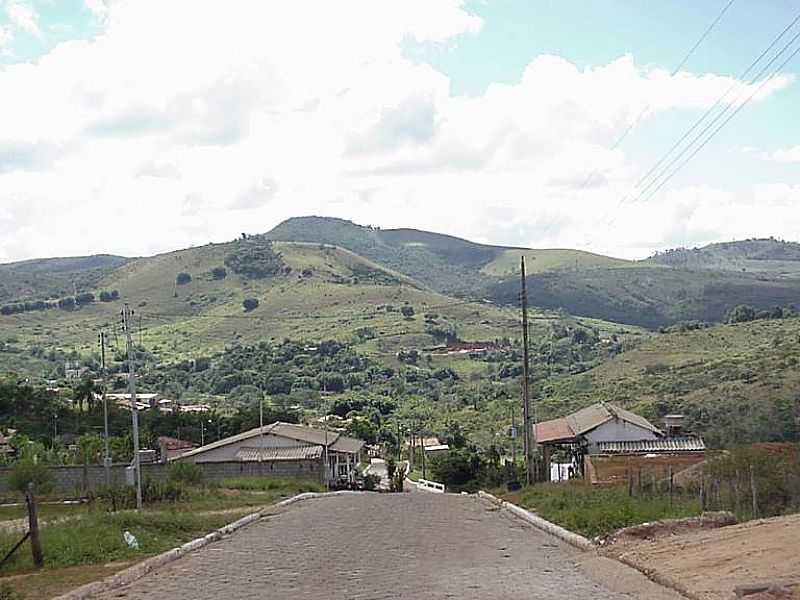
[(674, 72), (728, 107), (725, 122)]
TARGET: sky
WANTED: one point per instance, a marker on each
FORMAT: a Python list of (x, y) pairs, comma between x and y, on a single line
[(140, 126)]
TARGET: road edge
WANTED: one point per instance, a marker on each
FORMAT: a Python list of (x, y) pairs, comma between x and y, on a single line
[(571, 538), (584, 544), (140, 569)]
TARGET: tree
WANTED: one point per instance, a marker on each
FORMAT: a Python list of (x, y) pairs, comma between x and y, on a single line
[(67, 303), (219, 273), (250, 304), (740, 314), (407, 311), (85, 298), (457, 467), (183, 278)]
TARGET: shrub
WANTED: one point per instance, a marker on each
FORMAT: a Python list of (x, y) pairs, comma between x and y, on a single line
[(219, 273), (85, 298), (105, 296), (186, 473), (183, 278), (67, 303), (31, 471), (407, 311), (250, 304)]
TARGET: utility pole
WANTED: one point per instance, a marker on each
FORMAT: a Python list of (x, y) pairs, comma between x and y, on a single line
[(107, 456), (514, 441), (325, 418), (526, 408), (127, 314)]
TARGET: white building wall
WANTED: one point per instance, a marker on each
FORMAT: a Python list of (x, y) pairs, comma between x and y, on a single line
[(617, 431)]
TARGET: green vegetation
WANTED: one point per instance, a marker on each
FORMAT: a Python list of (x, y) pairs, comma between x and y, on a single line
[(254, 258), (767, 255), (539, 261), (599, 511), (734, 383), (287, 487), (250, 304)]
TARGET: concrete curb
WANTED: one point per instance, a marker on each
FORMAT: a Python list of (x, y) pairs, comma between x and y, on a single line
[(573, 539), (144, 567), (585, 544)]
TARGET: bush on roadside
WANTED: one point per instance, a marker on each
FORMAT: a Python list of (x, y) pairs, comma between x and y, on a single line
[(185, 473), (31, 471)]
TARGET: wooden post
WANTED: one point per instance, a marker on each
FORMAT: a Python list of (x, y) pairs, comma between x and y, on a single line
[(670, 485), (33, 528), (630, 482), (702, 492), (754, 491), (735, 487)]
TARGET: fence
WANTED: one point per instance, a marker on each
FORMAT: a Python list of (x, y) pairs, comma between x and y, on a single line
[(77, 479), (749, 482), (430, 486)]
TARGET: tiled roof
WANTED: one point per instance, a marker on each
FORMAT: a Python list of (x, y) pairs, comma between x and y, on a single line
[(661, 445), (557, 430), (284, 453), (347, 444)]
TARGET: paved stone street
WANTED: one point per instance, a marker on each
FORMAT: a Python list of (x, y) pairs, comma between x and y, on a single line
[(422, 546)]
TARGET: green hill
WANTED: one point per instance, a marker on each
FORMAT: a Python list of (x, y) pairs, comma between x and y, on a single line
[(651, 296), (735, 383), (317, 292), (756, 255), (650, 293)]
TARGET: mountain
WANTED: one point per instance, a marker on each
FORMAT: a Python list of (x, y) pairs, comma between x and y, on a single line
[(766, 255), (53, 278), (651, 293), (305, 290)]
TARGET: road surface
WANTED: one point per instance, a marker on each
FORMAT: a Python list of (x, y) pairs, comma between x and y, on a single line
[(386, 546)]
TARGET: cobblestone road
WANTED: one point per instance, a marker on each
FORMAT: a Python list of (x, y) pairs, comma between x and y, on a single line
[(370, 546)]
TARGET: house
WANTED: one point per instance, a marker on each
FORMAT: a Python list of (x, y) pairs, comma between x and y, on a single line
[(611, 444), (170, 447), (296, 450), (143, 401), (597, 423)]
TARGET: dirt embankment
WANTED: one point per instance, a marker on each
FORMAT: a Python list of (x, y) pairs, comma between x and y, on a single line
[(711, 563)]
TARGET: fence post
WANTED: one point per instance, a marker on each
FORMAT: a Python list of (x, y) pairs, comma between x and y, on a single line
[(33, 528), (754, 491), (630, 482), (669, 471), (702, 491)]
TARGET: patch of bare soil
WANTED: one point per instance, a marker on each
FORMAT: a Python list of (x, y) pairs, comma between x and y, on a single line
[(712, 563)]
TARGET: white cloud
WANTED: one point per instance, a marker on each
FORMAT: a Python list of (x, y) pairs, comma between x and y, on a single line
[(23, 17), (311, 108), (6, 36), (788, 155), (99, 8)]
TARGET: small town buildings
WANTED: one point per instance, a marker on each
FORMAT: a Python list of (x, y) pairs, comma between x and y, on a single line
[(288, 450), (608, 443), (5, 442)]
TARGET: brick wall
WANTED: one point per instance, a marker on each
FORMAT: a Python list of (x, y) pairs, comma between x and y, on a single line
[(616, 468), (74, 480)]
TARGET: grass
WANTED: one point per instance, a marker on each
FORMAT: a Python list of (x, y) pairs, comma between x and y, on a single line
[(597, 511), (96, 536), (539, 261), (287, 487)]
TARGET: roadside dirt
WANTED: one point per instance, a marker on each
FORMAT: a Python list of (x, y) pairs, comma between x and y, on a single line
[(711, 563)]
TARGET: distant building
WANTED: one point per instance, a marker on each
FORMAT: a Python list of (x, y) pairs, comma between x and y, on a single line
[(296, 448), (73, 370)]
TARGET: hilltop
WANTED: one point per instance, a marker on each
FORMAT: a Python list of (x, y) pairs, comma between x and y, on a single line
[(650, 293), (766, 255)]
